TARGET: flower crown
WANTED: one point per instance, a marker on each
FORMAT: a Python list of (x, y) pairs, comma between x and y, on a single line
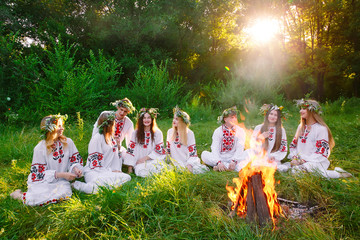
[(50, 123), (179, 113), (311, 105), (109, 119), (152, 111), (269, 107), (126, 103), (227, 112)]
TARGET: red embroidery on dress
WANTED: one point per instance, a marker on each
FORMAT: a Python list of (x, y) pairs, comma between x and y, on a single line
[(114, 144), (228, 141), (95, 160), (271, 134), (76, 158), (168, 147), (131, 147), (322, 147), (147, 139), (58, 154), (293, 143), (305, 135), (283, 145), (159, 148), (192, 150), (37, 172), (177, 141), (119, 126)]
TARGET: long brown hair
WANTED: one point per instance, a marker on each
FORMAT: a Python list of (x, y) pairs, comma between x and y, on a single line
[(51, 137), (278, 126), (140, 134), (108, 128), (319, 120), (181, 129)]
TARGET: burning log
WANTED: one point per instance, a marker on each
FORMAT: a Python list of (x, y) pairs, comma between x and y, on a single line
[(257, 207), (256, 203), (255, 197)]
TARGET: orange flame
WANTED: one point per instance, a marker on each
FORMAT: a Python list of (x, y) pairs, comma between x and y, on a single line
[(257, 163)]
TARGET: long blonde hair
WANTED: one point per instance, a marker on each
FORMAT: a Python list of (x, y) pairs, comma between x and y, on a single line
[(319, 120), (52, 137), (181, 129)]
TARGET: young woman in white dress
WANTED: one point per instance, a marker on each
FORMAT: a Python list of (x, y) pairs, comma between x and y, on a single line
[(56, 161), (103, 166), (271, 137), (146, 151), (313, 141), (180, 143), (228, 141), (124, 127)]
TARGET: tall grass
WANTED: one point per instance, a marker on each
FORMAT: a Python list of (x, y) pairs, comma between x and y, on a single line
[(180, 205)]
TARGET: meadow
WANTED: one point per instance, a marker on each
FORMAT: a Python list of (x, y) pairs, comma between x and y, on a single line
[(180, 205)]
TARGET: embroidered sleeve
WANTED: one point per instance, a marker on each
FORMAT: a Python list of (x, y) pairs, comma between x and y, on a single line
[(131, 148), (37, 172), (192, 150), (76, 158), (293, 144), (322, 147), (283, 146), (159, 149), (95, 160)]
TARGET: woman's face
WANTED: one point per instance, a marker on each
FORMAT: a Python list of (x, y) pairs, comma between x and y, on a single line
[(175, 121), (59, 128), (147, 120), (273, 117), (304, 113)]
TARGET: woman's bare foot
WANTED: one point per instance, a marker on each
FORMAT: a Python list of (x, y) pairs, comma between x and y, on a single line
[(130, 170), (216, 168), (17, 194)]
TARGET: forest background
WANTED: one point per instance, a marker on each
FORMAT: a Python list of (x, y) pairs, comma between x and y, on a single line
[(78, 56)]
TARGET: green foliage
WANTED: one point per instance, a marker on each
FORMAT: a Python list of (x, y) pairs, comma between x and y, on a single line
[(153, 87), (17, 70), (68, 86)]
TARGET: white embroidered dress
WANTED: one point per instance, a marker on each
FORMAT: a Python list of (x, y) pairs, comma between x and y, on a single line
[(102, 160), (227, 146), (43, 187), (123, 130), (152, 148), (279, 155), (183, 155), (313, 147)]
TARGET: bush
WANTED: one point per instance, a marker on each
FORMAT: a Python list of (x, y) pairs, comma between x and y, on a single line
[(67, 86), (153, 87)]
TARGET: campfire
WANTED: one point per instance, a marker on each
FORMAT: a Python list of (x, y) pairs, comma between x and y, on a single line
[(254, 196)]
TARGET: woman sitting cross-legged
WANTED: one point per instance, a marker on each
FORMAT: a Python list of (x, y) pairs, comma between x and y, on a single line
[(56, 161), (313, 141), (181, 144), (103, 166), (146, 151)]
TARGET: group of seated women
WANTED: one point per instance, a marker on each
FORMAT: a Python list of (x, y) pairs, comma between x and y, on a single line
[(57, 162)]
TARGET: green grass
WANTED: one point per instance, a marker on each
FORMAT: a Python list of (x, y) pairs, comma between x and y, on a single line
[(179, 205)]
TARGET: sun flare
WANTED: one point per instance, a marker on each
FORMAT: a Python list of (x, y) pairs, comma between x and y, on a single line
[(263, 30)]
